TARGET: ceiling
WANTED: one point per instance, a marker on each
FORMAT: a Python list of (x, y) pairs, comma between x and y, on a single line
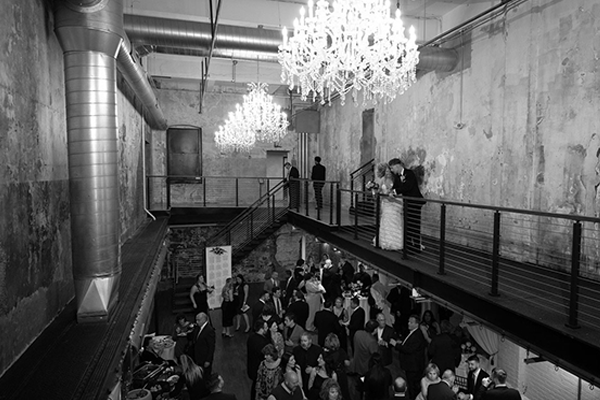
[(429, 17)]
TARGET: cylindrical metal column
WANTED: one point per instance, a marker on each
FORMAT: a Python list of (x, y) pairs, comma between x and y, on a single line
[(90, 37)]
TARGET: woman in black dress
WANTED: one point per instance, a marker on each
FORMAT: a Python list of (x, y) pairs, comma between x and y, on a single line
[(199, 295), (240, 299)]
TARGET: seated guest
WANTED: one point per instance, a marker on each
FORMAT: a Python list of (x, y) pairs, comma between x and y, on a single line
[(193, 376), (182, 329), (215, 384)]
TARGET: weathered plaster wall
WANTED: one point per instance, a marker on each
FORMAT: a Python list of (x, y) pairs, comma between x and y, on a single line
[(35, 231), (514, 125), (180, 103)]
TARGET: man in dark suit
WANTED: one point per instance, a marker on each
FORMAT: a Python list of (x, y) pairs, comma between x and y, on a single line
[(357, 319), (204, 343), (318, 177), (474, 378), (306, 356), (215, 384), (258, 307), (500, 390), (256, 341), (443, 389), (412, 354), (299, 308), (444, 350), (399, 388), (272, 282), (365, 345), (288, 287), (326, 322), (293, 185), (406, 184), (383, 334)]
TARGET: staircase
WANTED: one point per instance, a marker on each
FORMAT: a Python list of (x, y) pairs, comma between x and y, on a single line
[(364, 204), (244, 233)]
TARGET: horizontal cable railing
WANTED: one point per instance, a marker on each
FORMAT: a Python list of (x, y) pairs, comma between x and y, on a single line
[(256, 219), (166, 191), (549, 261), (315, 199)]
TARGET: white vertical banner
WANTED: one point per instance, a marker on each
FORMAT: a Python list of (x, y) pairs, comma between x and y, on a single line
[(218, 269)]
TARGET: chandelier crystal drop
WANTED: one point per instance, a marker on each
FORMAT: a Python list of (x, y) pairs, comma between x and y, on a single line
[(349, 46), (258, 118)]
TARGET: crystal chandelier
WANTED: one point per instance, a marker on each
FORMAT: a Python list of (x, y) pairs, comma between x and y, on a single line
[(350, 45), (258, 118)]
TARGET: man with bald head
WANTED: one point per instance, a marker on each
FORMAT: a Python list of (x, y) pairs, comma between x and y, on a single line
[(203, 338), (443, 390), (289, 389), (399, 387)]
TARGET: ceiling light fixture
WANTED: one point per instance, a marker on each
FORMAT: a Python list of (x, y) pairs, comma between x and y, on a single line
[(349, 46), (258, 118)]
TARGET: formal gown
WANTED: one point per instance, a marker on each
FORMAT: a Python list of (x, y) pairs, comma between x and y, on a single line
[(313, 299), (391, 220)]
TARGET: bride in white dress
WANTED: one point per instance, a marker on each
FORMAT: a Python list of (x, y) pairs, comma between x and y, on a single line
[(391, 229)]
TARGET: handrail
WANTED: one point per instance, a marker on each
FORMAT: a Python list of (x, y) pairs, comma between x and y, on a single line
[(493, 208), (249, 210), (361, 167), (214, 177)]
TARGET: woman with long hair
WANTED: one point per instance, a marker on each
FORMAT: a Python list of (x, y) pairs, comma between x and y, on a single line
[(378, 379), (429, 326), (318, 375), (342, 314), (199, 294), (431, 376), (288, 364), (227, 308), (276, 337), (338, 359), (330, 390), (240, 299), (269, 372), (193, 375)]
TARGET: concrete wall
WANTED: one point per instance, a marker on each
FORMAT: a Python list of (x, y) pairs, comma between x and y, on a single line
[(35, 232), (514, 125)]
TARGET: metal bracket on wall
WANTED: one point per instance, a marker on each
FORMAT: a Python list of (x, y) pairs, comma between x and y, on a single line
[(214, 24)]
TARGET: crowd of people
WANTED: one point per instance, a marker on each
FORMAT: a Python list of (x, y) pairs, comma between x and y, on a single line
[(309, 340)]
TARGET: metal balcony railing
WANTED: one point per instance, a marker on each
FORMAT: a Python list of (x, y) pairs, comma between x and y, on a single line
[(167, 191), (551, 261)]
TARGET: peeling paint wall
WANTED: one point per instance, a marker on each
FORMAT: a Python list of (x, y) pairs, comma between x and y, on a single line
[(35, 230), (516, 124), (180, 103), (36, 279)]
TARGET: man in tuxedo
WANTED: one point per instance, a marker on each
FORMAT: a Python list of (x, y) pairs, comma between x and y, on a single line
[(318, 177), (500, 390), (256, 341), (444, 350), (412, 354), (215, 384), (299, 308), (326, 322), (357, 319), (288, 287), (399, 387), (293, 185), (443, 389), (258, 307), (406, 184), (272, 282), (474, 379), (204, 343), (277, 303), (383, 334)]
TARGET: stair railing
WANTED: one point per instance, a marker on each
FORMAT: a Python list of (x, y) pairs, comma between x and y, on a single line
[(359, 178), (260, 216)]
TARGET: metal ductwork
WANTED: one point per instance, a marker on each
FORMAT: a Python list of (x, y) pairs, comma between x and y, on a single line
[(171, 36), (91, 36)]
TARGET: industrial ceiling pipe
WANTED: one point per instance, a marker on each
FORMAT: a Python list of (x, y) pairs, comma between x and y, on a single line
[(239, 42), (90, 34)]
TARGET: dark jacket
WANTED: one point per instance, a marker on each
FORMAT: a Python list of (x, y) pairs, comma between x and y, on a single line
[(254, 346), (326, 322)]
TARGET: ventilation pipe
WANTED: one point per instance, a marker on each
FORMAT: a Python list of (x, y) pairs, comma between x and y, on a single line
[(170, 36), (90, 33)]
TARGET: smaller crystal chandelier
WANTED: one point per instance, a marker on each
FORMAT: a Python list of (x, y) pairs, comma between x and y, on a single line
[(258, 118), (350, 45)]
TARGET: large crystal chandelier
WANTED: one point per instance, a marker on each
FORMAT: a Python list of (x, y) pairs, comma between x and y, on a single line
[(258, 118), (350, 45)]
